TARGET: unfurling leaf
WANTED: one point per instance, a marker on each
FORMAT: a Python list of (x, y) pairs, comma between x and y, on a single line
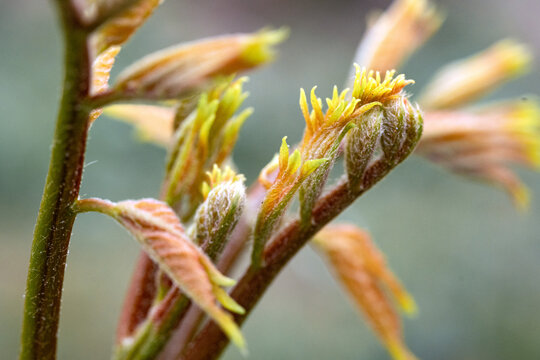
[(153, 123), (206, 137), (463, 81), (180, 71), (157, 228), (484, 143), (216, 217), (292, 170), (118, 29), (361, 269), (369, 87), (101, 71), (326, 130), (397, 33)]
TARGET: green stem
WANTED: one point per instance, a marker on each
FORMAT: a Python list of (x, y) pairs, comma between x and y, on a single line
[(55, 219)]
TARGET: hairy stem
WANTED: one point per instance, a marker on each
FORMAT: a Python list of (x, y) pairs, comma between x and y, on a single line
[(139, 297), (210, 342), (55, 219)]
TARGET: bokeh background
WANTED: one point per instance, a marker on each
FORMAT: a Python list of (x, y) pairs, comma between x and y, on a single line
[(470, 259)]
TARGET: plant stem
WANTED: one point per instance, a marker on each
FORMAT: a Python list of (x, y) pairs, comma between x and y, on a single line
[(211, 341), (55, 219), (139, 298)]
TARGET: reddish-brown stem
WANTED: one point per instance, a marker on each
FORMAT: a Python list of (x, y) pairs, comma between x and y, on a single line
[(139, 297), (193, 318), (210, 342)]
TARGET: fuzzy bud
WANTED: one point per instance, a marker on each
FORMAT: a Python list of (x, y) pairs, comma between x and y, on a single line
[(216, 217), (401, 130), (362, 143)]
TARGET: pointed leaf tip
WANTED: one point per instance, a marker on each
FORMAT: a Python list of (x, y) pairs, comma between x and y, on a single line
[(311, 165), (155, 225)]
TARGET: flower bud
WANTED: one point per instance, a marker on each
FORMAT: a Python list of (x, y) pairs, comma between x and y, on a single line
[(401, 130), (216, 217)]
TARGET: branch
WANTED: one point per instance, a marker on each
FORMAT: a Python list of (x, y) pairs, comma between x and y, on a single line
[(211, 342), (55, 219)]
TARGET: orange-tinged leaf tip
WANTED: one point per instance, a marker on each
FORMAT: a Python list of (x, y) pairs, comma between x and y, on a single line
[(316, 104), (304, 105)]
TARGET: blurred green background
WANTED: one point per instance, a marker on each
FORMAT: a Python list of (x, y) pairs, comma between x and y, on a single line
[(469, 258)]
